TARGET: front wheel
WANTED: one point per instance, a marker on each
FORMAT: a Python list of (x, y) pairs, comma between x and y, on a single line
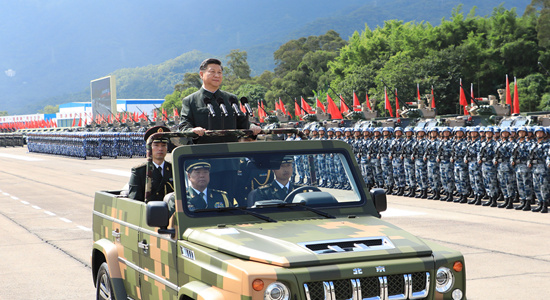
[(104, 290)]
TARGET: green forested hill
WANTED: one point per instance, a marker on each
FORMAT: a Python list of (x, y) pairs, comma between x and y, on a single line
[(54, 48)]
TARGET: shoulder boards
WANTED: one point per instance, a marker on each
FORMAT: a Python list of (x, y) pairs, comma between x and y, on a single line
[(218, 191)]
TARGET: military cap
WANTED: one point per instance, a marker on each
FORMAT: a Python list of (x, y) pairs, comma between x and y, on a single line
[(350, 129), (322, 129), (539, 128), (287, 159), (157, 129), (409, 129), (198, 165), (398, 129)]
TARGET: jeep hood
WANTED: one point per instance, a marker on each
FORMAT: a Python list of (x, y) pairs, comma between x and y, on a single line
[(311, 242)]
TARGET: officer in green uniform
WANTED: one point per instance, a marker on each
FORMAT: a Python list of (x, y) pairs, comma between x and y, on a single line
[(162, 183), (281, 185), (196, 116), (199, 196)]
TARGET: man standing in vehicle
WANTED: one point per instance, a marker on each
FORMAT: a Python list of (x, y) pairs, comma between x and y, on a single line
[(196, 114)]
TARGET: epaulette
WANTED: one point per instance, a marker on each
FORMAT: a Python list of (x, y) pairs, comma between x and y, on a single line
[(263, 187), (222, 192), (140, 165)]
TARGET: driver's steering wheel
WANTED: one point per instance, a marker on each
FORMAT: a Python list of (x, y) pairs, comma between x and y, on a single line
[(290, 196)]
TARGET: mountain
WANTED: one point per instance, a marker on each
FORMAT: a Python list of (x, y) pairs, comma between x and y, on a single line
[(50, 50)]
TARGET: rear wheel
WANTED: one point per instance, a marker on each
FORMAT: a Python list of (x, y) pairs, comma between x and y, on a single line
[(104, 289)]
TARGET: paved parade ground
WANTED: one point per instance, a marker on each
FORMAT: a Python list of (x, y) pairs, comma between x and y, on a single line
[(46, 214)]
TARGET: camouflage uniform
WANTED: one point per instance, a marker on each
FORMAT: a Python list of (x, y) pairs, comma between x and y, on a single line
[(462, 180), (421, 172), (488, 168), (385, 161), (408, 162), (505, 171), (474, 169), (396, 154), (444, 152), (524, 176), (433, 167), (374, 160), (541, 184)]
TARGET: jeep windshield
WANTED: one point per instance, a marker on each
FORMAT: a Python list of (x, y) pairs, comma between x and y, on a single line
[(269, 180)]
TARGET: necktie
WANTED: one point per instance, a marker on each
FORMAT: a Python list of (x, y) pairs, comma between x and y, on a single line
[(201, 195), (160, 170), (285, 190)]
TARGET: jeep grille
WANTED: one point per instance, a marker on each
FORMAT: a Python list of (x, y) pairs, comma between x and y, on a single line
[(390, 287)]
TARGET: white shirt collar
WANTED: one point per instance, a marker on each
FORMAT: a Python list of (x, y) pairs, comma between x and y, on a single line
[(205, 193), (282, 186)]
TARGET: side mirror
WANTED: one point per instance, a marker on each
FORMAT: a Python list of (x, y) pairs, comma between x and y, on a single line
[(157, 215), (378, 196)]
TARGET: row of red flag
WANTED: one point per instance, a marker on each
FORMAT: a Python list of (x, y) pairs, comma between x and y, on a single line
[(513, 108)]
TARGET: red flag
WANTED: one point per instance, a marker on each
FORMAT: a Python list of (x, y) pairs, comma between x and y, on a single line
[(74, 122), (343, 107), (80, 122), (516, 97), (332, 109), (261, 111), (356, 104), (508, 95), (155, 115), (418, 92), (433, 98), (282, 107), (368, 102), (306, 107), (176, 114), (387, 102), (472, 93), (320, 104), (297, 110), (463, 100), (164, 115), (277, 105), (396, 104)]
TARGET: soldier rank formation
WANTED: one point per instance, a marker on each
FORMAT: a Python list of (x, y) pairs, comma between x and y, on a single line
[(509, 168)]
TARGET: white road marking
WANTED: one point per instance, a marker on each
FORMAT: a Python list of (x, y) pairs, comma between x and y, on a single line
[(84, 228), (14, 198), (65, 220), (49, 213), (114, 172), (36, 207), (394, 212), (5, 194), (25, 202), (20, 157)]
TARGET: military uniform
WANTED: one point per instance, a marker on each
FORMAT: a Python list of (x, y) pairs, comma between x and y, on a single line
[(274, 191), (195, 113), (214, 199), (408, 163), (430, 156), (538, 165), (446, 169), (488, 169), (505, 171), (162, 183), (396, 154), (524, 176), (462, 180), (421, 172)]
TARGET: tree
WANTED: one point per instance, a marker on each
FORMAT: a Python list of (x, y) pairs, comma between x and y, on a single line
[(238, 65), (190, 79), (3, 113), (174, 100), (50, 109)]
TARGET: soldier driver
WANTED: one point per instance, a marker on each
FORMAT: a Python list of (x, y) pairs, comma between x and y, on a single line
[(199, 196), (281, 185)]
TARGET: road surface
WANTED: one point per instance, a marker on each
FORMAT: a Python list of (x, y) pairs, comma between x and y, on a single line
[(46, 214)]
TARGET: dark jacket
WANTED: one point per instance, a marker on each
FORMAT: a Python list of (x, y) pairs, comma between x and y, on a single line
[(160, 186)]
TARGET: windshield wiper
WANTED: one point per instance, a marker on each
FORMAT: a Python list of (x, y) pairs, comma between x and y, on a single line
[(242, 209)]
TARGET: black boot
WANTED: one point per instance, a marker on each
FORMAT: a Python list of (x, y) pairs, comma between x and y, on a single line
[(506, 201), (538, 208), (479, 200), (419, 194), (473, 201), (459, 199), (424, 194), (432, 196), (527, 205), (389, 190), (437, 195), (464, 199), (523, 204), (544, 207), (490, 202), (400, 191), (447, 195), (412, 193), (510, 203), (450, 197)]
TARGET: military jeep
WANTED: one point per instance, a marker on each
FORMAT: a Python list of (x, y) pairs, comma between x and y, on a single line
[(317, 243)]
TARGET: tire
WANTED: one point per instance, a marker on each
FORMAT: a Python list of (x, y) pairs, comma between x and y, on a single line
[(104, 289)]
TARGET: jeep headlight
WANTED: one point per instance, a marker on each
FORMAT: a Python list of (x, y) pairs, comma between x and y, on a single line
[(276, 291), (444, 280)]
